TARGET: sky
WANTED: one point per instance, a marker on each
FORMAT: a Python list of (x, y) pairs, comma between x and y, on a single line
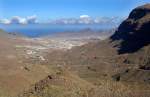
[(56, 9)]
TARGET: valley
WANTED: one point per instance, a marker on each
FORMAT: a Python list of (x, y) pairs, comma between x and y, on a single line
[(85, 64)]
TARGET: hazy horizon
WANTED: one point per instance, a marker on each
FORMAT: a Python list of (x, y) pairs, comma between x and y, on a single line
[(65, 11)]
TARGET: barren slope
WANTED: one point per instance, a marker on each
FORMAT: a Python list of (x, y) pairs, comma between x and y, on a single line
[(116, 67), (124, 58)]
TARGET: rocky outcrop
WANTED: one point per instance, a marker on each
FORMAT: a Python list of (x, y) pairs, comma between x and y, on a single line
[(134, 32)]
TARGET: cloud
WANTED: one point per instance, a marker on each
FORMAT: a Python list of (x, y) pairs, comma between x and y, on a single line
[(83, 19), (5, 21), (103, 20), (86, 19), (84, 16), (31, 19), (65, 21), (20, 20)]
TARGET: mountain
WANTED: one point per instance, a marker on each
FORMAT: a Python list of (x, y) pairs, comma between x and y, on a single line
[(134, 31), (118, 66), (133, 39), (115, 67)]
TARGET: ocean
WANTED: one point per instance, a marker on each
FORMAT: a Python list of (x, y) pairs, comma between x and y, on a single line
[(38, 30)]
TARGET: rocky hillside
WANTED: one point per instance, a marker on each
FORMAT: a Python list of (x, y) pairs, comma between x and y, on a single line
[(133, 42), (134, 31)]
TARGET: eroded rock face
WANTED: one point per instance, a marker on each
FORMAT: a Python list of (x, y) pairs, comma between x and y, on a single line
[(134, 31)]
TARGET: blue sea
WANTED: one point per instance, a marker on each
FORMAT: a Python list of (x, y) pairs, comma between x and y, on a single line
[(37, 30)]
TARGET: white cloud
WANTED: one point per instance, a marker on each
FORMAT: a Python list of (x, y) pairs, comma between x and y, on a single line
[(5, 21), (84, 16), (31, 19), (86, 19), (108, 20), (20, 20), (102, 20), (83, 19), (65, 21)]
